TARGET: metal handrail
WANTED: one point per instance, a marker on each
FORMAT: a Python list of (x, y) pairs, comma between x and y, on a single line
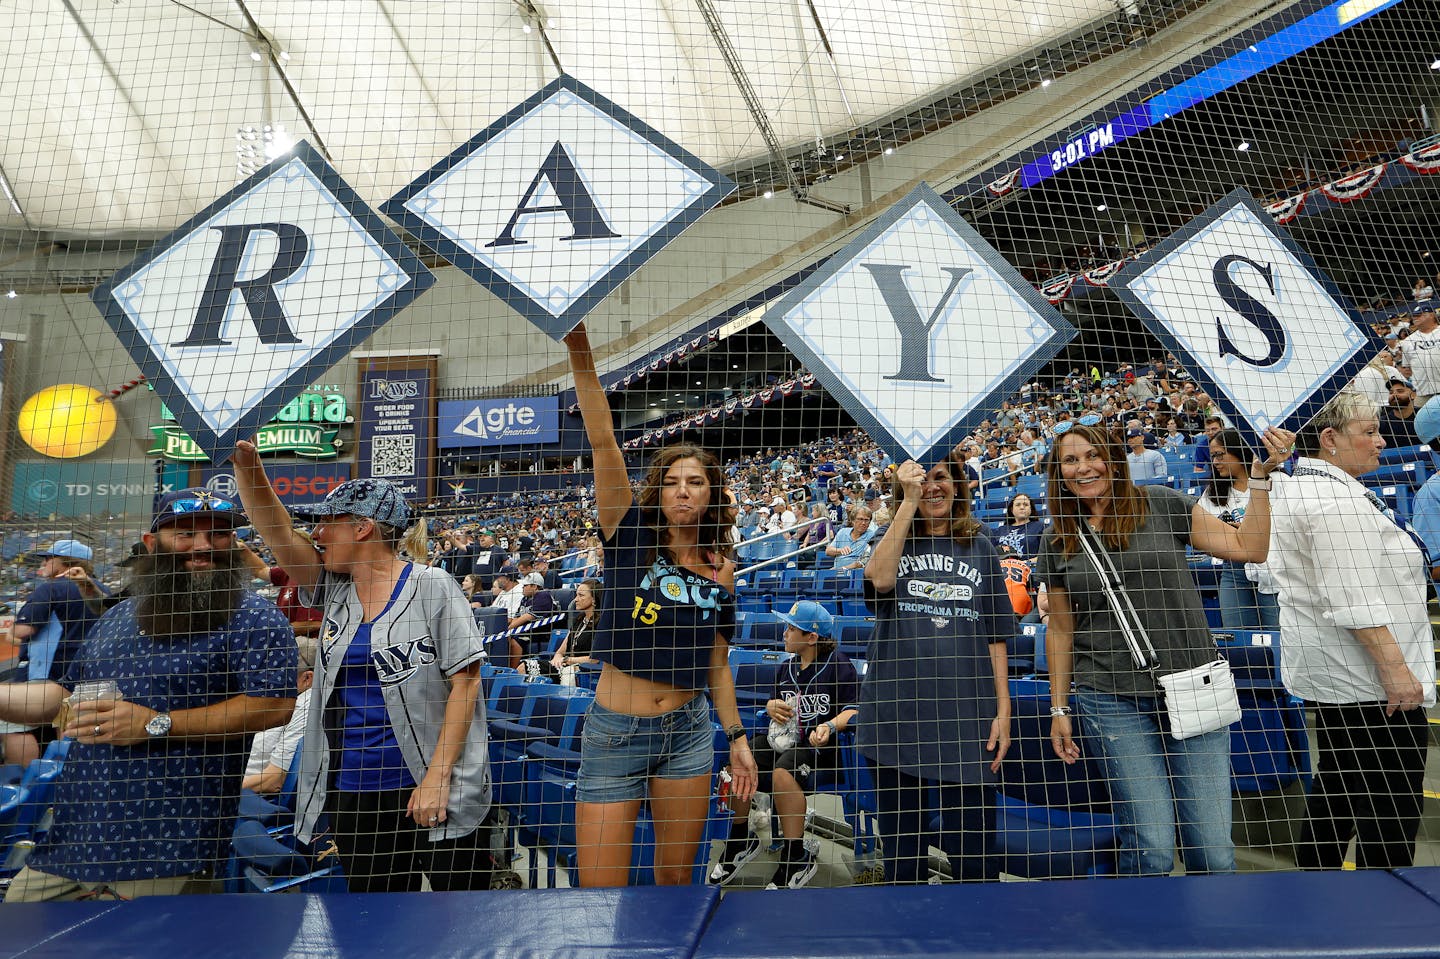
[(791, 555)]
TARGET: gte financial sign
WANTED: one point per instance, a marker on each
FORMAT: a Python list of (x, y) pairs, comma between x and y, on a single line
[(501, 422), (308, 426)]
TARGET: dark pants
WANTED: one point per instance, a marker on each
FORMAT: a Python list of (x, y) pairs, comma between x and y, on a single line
[(383, 850), (967, 822), (1368, 786)]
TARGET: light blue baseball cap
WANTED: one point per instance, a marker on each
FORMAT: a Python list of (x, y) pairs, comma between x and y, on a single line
[(808, 616)]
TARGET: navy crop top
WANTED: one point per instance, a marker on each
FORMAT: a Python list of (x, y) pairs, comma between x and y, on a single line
[(658, 621)]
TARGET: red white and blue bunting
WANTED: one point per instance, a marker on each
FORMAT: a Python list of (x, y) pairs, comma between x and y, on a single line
[(660, 362), (1005, 184), (1287, 209), (1356, 186), (1424, 160), (736, 406)]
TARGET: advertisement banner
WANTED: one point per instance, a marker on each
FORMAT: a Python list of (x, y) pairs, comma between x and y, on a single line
[(296, 484), (298, 439), (505, 422), (97, 490), (397, 420)]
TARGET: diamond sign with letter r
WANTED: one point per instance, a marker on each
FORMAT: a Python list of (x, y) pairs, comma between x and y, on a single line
[(237, 311)]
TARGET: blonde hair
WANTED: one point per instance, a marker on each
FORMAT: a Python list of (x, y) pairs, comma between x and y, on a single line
[(1346, 407)]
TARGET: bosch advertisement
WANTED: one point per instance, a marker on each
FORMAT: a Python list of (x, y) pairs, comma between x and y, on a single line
[(296, 484), (507, 422)]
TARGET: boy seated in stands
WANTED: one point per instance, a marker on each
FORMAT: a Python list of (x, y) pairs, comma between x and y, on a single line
[(811, 703)]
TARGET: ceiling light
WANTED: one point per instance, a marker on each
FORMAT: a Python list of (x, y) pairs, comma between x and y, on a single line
[(839, 157), (1435, 64), (736, 366), (285, 55), (525, 27), (889, 150), (1101, 208), (769, 194), (1243, 145), (11, 295), (1045, 83), (1425, 254), (697, 382), (255, 55)]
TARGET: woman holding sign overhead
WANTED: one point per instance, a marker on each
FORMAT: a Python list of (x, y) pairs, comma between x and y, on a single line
[(1115, 569), (1356, 641), (668, 609)]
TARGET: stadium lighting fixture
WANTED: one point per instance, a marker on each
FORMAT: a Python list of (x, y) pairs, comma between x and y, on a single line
[(1101, 208), (1435, 64), (769, 194), (1243, 146), (889, 151), (1045, 82), (255, 55), (11, 295), (524, 28)]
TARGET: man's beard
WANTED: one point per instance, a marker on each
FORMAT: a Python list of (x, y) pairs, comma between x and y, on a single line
[(174, 601)]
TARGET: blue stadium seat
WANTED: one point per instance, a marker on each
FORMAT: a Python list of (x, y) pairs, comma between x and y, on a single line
[(262, 862), (754, 671), (551, 714), (1032, 485), (1409, 473), (762, 630)]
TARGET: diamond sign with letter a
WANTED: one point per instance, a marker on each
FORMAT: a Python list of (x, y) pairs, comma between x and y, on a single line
[(237, 311), (919, 328), (1248, 313), (554, 204)]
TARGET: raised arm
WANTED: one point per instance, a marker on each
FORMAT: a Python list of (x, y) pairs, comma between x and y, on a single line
[(612, 482), (1250, 541), (884, 566), (299, 559)]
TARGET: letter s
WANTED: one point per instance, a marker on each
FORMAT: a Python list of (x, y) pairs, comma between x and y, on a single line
[(1251, 309)]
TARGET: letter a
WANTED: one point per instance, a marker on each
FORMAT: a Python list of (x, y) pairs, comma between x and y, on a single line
[(572, 199), (914, 332), (258, 293)]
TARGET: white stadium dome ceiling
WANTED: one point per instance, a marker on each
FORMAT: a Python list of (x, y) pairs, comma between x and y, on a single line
[(125, 116)]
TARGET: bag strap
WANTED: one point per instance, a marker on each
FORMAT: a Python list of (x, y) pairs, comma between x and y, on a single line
[(1137, 638)]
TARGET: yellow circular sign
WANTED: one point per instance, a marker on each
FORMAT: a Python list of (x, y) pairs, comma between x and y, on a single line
[(67, 421)]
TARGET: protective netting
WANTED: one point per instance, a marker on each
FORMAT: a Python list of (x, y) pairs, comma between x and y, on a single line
[(818, 241)]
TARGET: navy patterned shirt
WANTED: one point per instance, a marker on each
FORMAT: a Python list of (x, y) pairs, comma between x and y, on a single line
[(163, 807)]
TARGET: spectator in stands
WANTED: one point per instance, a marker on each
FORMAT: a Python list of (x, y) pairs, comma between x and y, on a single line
[(851, 546), (50, 628), (814, 698), (1144, 464), (1156, 782), (396, 751), (536, 604), (1018, 574), (1022, 529), (1397, 419), (1248, 597), (489, 558), (815, 535), (272, 752), (507, 591), (1357, 642), (458, 559), (668, 614), (549, 578), (1420, 356), (147, 797), (1213, 425), (1425, 513), (936, 697), (1422, 290), (575, 648)]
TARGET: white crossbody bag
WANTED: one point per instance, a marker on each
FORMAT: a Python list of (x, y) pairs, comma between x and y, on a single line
[(1197, 701)]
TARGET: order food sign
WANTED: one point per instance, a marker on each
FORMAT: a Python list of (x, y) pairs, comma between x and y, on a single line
[(1251, 316), (919, 328), (554, 204), (234, 313)]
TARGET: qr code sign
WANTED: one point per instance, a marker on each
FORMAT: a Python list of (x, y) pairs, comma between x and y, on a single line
[(392, 456)]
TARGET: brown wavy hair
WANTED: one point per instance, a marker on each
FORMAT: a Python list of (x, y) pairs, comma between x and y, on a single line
[(719, 516), (963, 524), (1127, 501)]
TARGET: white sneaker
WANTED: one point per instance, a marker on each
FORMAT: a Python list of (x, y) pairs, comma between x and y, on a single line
[(795, 875), (726, 869)]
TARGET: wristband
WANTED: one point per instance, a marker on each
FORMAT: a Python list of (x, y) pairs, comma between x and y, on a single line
[(734, 733), (1060, 711), (833, 731), (1262, 483)]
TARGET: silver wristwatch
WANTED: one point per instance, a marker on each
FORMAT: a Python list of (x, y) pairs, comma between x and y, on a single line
[(159, 725)]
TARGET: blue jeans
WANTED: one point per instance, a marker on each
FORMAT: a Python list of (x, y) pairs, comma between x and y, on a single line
[(1242, 606), (620, 753), (1157, 782)]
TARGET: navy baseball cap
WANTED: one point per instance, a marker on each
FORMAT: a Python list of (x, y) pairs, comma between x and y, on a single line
[(377, 499), (808, 616), (68, 549), (196, 501)]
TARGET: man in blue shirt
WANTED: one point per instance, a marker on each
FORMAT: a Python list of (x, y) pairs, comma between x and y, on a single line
[(194, 663), (51, 625), (1145, 464)]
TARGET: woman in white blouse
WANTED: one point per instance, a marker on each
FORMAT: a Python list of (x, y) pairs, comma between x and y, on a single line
[(1355, 641)]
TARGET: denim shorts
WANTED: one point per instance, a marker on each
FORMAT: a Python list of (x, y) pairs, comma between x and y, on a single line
[(620, 753)]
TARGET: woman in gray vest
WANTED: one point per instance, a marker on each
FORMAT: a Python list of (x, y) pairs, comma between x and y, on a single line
[(395, 750), (935, 704), (1156, 782)]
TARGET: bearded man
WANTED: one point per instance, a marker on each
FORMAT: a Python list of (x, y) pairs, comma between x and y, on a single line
[(159, 702)]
